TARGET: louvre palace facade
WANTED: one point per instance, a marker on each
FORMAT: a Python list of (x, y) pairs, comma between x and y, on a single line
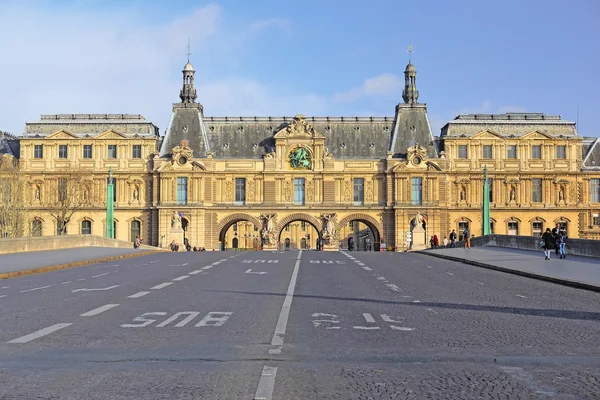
[(304, 181)]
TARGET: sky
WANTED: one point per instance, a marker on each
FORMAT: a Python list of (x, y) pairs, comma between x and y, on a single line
[(322, 58)]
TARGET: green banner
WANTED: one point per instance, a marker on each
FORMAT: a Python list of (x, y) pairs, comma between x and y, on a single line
[(486, 203), (110, 206)]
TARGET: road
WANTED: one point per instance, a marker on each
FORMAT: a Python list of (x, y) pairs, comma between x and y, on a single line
[(295, 325)]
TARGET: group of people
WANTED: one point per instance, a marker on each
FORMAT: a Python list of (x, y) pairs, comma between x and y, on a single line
[(174, 246), (556, 240), (435, 243)]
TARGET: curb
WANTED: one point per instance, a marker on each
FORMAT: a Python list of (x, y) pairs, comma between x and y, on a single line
[(41, 270), (559, 281)]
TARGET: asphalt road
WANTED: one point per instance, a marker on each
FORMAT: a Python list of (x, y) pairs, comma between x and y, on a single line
[(310, 325)]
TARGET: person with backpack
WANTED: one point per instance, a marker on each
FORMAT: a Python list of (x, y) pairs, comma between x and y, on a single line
[(562, 239), (547, 243), (452, 239)]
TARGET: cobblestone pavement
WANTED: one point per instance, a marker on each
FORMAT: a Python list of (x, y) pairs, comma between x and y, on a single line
[(291, 325)]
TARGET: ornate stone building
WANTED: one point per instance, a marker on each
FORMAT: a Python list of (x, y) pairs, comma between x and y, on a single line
[(263, 182)]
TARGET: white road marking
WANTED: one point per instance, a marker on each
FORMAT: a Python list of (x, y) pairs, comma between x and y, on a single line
[(367, 269), (381, 278), (138, 294), (416, 301), (318, 322), (144, 321), (195, 272), (161, 286), (1, 296), (211, 319), (5, 287), (368, 317), (449, 273), (387, 318), (481, 283), (285, 308), (39, 334), (82, 279), (266, 384), (190, 316), (259, 273), (216, 263), (180, 278), (429, 266), (276, 350), (223, 260), (96, 289), (520, 295), (96, 276), (401, 328), (99, 310), (207, 267), (64, 283), (151, 262), (37, 288), (366, 328), (395, 288), (360, 263)]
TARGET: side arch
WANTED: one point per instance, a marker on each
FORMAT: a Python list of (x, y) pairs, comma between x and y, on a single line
[(366, 218), (299, 217), (231, 219)]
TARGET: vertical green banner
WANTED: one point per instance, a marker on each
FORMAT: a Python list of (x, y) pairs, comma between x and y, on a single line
[(110, 206), (486, 203)]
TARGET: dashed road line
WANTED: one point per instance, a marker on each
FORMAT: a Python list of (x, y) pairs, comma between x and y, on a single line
[(366, 328), (521, 296), (96, 276), (94, 289), (98, 310), (481, 283), (368, 317), (207, 267), (266, 384), (161, 286), (285, 308), (449, 273), (138, 294), (367, 269), (401, 328), (39, 334), (3, 295), (66, 282), (195, 272), (180, 278), (37, 288), (82, 279), (381, 278)]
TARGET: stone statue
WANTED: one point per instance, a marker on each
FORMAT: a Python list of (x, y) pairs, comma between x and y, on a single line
[(329, 232), (136, 194), (176, 221), (463, 194), (512, 194), (37, 193), (561, 194), (270, 155), (268, 231), (327, 154), (417, 221)]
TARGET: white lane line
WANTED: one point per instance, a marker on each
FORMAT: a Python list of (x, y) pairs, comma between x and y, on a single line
[(180, 278), (39, 334), (395, 288), (481, 283), (138, 294), (5, 287), (82, 279), (416, 301), (266, 384), (401, 328), (64, 283), (37, 288), (195, 272), (96, 276), (366, 328), (207, 267), (161, 286), (368, 317), (223, 260), (98, 310), (95, 289), (285, 308), (360, 263), (1, 296), (367, 269), (521, 296), (449, 273), (381, 278), (151, 262), (429, 266), (216, 263)]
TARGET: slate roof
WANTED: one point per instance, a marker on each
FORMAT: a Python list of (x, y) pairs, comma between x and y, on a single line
[(9, 144), (517, 124), (591, 153), (91, 124)]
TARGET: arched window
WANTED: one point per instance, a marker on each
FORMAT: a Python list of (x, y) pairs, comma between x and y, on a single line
[(136, 230), (86, 227), (36, 227), (513, 228)]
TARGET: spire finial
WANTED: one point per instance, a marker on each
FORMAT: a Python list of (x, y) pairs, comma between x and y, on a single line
[(189, 52), (410, 52)]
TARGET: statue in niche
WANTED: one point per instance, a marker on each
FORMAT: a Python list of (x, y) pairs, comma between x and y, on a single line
[(561, 194), (38, 193), (136, 193), (463, 194), (511, 196)]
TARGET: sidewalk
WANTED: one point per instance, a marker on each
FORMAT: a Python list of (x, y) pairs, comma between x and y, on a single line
[(577, 271), (15, 262)]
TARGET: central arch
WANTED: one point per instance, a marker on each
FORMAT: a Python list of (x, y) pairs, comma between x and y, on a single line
[(314, 222), (229, 220), (373, 224)]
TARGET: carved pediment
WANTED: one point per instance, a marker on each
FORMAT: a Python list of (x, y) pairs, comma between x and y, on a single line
[(111, 134), (511, 181), (487, 134), (462, 181), (299, 128), (62, 134), (536, 135)]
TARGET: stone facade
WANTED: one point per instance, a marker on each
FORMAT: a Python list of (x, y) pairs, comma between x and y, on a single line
[(317, 173)]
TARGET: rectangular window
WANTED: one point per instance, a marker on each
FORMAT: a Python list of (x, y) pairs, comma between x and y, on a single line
[(595, 190), (417, 191), (38, 151), (112, 151), (303, 225), (561, 152), (351, 225), (536, 190), (240, 191), (511, 151), (87, 151), (63, 151), (596, 220), (299, 191), (537, 228), (62, 189), (487, 151), (462, 151), (136, 151), (536, 151), (359, 191), (182, 190)]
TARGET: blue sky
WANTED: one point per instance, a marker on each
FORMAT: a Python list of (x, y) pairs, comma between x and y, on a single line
[(267, 57)]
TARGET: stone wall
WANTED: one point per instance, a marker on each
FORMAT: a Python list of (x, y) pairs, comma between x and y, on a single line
[(26, 244), (578, 247)]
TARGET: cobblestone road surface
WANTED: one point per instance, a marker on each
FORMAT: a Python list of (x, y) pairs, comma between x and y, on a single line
[(292, 325)]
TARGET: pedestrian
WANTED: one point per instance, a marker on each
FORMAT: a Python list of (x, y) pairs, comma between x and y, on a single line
[(547, 243), (445, 242), (562, 239), (432, 243), (467, 238), (555, 232), (453, 239), (136, 242), (436, 241)]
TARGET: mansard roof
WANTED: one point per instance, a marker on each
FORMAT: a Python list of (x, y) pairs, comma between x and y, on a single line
[(9, 144), (591, 153), (91, 124), (509, 124)]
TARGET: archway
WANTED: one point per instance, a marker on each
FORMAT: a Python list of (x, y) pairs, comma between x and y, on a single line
[(299, 231), (244, 228), (361, 231)]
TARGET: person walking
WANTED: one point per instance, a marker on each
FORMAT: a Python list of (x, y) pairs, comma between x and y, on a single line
[(467, 238), (562, 239), (555, 233), (453, 239), (436, 241), (445, 242), (547, 243)]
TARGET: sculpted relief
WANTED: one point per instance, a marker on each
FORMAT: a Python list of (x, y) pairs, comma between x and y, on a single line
[(267, 233)]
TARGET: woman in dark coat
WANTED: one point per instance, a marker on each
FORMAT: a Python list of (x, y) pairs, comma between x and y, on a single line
[(548, 243)]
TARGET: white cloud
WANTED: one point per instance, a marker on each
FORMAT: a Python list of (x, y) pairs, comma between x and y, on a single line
[(282, 24), (384, 84)]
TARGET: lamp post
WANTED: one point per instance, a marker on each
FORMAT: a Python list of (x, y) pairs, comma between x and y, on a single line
[(486, 203), (110, 206)]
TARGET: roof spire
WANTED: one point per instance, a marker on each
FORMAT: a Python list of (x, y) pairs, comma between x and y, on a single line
[(187, 94), (410, 94), (189, 53), (410, 52)]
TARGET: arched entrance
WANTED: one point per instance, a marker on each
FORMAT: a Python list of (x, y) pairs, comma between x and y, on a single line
[(287, 244), (360, 231), (296, 227), (242, 228), (303, 244)]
